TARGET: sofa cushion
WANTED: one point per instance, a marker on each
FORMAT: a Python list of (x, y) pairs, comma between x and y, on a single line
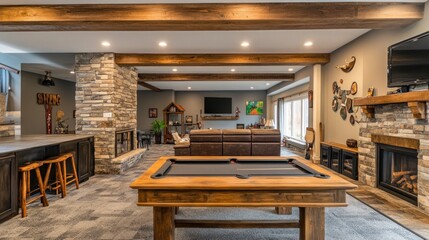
[(206, 149), (236, 132), (257, 131), (206, 132), (237, 148), (266, 149), (206, 138), (266, 138)]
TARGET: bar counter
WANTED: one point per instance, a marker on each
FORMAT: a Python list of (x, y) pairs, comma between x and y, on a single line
[(24, 142), (16, 151)]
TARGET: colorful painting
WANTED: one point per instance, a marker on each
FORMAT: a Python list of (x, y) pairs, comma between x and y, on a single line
[(254, 107)]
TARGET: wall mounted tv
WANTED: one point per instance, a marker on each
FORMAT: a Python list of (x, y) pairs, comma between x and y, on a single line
[(217, 105), (408, 62)]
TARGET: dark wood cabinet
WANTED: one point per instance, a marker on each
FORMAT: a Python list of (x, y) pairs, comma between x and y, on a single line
[(349, 164), (340, 158), (335, 159), (8, 187), (84, 160), (325, 155), (82, 149)]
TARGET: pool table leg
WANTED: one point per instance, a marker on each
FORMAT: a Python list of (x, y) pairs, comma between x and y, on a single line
[(163, 223), (312, 223), (284, 210)]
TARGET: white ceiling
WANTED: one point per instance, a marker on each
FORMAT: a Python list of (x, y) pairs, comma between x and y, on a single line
[(220, 69), (58, 47), (214, 85), (33, 2), (272, 41)]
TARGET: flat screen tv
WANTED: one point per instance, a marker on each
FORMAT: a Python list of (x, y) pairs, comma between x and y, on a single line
[(217, 105), (408, 62)]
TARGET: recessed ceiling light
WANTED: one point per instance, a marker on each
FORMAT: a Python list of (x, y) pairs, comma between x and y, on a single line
[(189, 88), (251, 87), (72, 72), (290, 69), (232, 69), (174, 69), (162, 44), (245, 44), (105, 43), (267, 83), (308, 44)]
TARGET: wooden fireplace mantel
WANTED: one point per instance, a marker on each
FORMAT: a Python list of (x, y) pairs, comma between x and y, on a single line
[(416, 102)]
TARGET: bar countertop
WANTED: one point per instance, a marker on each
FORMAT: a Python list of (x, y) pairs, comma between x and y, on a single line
[(23, 142)]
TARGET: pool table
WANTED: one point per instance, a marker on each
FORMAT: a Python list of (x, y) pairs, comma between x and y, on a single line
[(248, 181)]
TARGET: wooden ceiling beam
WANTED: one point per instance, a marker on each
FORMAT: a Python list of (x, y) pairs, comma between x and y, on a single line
[(150, 77), (147, 85), (132, 59), (209, 16)]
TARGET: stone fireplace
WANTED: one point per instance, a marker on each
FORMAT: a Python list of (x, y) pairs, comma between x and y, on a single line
[(397, 171), (106, 105), (394, 151)]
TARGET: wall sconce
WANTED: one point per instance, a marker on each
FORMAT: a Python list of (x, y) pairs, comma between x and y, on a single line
[(47, 80)]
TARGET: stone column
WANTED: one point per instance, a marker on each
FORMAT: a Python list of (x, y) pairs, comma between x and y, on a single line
[(317, 105), (106, 101)]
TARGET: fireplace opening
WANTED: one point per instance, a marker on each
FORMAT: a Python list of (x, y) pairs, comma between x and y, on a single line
[(397, 171), (124, 141)]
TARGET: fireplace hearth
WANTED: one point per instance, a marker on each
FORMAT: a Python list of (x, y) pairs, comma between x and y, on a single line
[(397, 171)]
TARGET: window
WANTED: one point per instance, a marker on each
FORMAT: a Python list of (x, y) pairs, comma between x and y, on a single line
[(295, 119), (4, 81)]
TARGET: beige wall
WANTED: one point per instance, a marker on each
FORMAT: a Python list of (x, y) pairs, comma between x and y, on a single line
[(370, 70)]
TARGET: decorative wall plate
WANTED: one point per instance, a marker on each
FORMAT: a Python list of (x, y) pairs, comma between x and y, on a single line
[(352, 120), (335, 87), (335, 104), (343, 113), (344, 97), (349, 105), (354, 88)]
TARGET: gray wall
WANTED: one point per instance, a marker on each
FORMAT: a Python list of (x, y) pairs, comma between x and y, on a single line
[(33, 114), (193, 101), (151, 99)]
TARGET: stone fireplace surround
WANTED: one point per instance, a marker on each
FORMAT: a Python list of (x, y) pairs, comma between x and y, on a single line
[(395, 120), (106, 102)]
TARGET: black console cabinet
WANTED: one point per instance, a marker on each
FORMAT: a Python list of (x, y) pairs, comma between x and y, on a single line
[(325, 155), (340, 158)]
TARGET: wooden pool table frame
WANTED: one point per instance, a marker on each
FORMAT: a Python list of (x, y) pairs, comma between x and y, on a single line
[(310, 194)]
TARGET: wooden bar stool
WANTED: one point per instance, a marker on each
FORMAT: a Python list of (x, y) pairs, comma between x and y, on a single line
[(25, 186), (70, 177), (61, 177)]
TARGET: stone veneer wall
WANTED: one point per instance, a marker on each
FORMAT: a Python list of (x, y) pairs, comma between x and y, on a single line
[(104, 87), (395, 120)]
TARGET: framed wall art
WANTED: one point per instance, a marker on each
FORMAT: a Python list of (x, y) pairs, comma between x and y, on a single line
[(254, 107), (153, 112)]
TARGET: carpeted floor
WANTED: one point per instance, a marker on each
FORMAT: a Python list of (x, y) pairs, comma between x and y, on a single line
[(104, 208)]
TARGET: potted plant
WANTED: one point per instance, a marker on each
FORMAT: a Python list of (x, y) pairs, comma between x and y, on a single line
[(157, 127)]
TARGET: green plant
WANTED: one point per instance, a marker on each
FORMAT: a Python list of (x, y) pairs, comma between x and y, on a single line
[(158, 126)]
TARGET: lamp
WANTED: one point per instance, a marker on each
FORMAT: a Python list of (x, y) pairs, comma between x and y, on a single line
[(269, 124), (47, 80)]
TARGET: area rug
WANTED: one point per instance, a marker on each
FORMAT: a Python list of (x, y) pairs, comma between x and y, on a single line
[(105, 208)]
